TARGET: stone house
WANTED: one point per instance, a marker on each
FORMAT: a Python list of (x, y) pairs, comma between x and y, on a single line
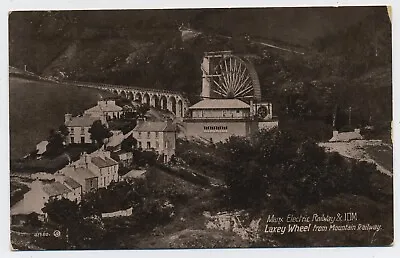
[(157, 136), (346, 136), (73, 185), (104, 167), (79, 126), (216, 120), (124, 158), (92, 171), (106, 108), (82, 175)]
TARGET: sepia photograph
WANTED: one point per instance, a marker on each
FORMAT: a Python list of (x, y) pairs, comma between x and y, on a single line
[(267, 127)]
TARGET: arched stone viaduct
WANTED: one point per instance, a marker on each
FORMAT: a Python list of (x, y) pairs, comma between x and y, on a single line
[(162, 99)]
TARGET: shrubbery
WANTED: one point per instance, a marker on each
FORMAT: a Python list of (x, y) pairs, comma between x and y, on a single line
[(205, 159), (186, 175), (278, 173), (277, 169), (87, 230), (17, 192)]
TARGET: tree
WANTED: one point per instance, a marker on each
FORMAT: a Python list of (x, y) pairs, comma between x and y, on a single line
[(56, 143), (89, 233), (142, 110), (33, 220), (145, 157), (63, 212), (63, 129), (128, 144), (292, 171), (243, 174), (98, 132)]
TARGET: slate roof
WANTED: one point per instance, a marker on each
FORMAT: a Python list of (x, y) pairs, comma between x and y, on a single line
[(220, 104), (102, 163), (135, 174), (82, 121), (83, 173), (116, 140), (346, 137), (71, 182), (111, 161), (109, 107), (55, 189), (149, 126)]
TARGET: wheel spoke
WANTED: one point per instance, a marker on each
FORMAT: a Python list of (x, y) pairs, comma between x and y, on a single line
[(233, 78), (227, 74), (243, 83), (224, 80), (246, 90), (219, 92), (224, 92)]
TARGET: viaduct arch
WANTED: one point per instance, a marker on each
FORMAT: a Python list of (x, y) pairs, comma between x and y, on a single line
[(163, 99)]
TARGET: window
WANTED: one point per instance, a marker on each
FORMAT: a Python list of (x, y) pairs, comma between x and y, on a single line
[(148, 145), (82, 139), (157, 145), (212, 129), (140, 144), (156, 134), (148, 135), (82, 130), (72, 140), (139, 134)]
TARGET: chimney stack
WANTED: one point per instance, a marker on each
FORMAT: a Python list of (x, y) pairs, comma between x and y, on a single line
[(86, 158), (141, 120), (67, 118)]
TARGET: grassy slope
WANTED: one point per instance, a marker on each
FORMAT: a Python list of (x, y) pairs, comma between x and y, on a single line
[(187, 227), (36, 107), (383, 155)]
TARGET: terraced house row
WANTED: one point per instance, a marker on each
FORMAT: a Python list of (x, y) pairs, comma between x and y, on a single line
[(79, 126), (89, 173)]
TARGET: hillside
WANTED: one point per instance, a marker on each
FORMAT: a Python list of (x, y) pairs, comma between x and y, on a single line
[(342, 46), (52, 32), (37, 107), (103, 41)]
